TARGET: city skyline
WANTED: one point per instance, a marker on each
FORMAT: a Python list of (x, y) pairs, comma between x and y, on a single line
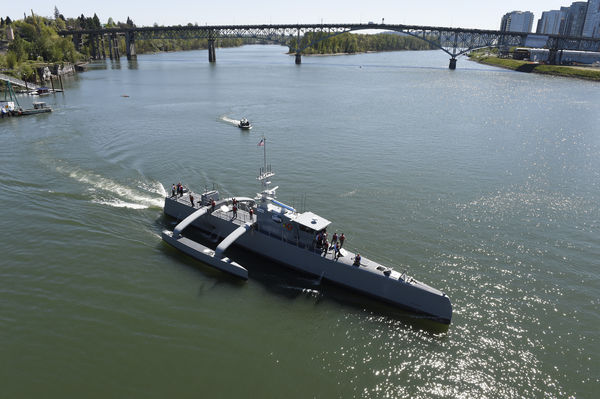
[(467, 14)]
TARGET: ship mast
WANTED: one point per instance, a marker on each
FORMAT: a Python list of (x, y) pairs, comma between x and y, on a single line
[(265, 173)]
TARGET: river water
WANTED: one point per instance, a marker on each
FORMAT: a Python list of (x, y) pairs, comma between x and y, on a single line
[(481, 182)]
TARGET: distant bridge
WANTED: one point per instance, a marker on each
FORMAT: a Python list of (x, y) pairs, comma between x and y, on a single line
[(453, 41)]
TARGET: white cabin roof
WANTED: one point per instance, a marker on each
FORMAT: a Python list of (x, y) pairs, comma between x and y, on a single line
[(312, 221)]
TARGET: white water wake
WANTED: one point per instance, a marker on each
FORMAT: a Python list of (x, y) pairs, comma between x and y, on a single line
[(229, 120), (349, 193), (142, 195)]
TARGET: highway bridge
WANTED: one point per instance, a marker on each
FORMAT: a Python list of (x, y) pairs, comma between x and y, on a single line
[(453, 41)]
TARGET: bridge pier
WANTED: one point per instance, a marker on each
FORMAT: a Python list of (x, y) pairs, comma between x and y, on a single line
[(77, 41), (103, 47), (298, 58), (110, 46), (212, 55), (94, 46), (452, 65), (114, 46), (130, 45)]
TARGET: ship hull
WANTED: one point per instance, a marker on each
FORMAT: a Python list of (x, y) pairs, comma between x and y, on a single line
[(410, 295)]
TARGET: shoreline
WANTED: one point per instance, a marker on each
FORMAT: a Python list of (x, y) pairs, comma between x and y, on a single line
[(590, 74)]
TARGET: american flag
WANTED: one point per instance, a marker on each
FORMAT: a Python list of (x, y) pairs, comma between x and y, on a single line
[(261, 142)]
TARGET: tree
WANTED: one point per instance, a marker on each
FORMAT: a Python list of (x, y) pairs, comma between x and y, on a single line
[(27, 73), (60, 24), (19, 48), (96, 21), (11, 59), (56, 13)]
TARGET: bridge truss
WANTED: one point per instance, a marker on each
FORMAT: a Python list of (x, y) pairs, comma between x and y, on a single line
[(453, 41)]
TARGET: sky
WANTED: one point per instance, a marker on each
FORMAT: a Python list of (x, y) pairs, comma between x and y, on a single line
[(476, 14)]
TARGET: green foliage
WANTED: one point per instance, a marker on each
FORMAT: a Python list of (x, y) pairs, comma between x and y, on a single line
[(20, 48), (11, 59), (59, 24), (353, 43), (36, 39), (26, 72)]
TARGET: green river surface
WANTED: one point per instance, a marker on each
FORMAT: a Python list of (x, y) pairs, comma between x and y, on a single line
[(482, 182)]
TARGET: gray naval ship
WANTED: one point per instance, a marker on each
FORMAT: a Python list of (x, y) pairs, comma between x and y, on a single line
[(294, 239)]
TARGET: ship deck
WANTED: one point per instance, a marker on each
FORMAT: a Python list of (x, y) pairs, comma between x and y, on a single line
[(223, 210)]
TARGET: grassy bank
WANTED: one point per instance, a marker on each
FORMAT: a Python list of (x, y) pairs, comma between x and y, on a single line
[(526, 66)]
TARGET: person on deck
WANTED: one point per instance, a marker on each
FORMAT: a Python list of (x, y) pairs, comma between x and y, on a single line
[(324, 244), (192, 200), (342, 239), (357, 259)]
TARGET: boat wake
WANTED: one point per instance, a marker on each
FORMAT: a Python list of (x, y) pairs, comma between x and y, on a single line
[(349, 193), (229, 120), (141, 194), (308, 292)]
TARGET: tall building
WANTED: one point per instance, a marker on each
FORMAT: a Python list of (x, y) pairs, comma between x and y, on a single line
[(568, 21), (575, 18), (591, 27), (552, 22), (517, 21)]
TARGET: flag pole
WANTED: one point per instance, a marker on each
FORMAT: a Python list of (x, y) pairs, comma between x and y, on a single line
[(265, 153)]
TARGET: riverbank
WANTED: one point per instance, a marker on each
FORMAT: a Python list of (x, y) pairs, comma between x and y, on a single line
[(587, 73)]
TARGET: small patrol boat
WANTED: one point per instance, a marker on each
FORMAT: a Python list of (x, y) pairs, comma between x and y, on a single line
[(245, 124), (270, 228), (39, 107)]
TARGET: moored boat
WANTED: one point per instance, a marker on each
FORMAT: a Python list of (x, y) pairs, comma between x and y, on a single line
[(39, 107)]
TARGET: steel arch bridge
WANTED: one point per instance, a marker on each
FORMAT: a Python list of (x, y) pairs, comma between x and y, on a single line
[(453, 41)]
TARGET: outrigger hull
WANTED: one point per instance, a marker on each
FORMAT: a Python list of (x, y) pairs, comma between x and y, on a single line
[(204, 254)]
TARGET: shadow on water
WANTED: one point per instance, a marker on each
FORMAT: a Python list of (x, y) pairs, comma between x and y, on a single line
[(115, 63), (292, 284), (132, 63)]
